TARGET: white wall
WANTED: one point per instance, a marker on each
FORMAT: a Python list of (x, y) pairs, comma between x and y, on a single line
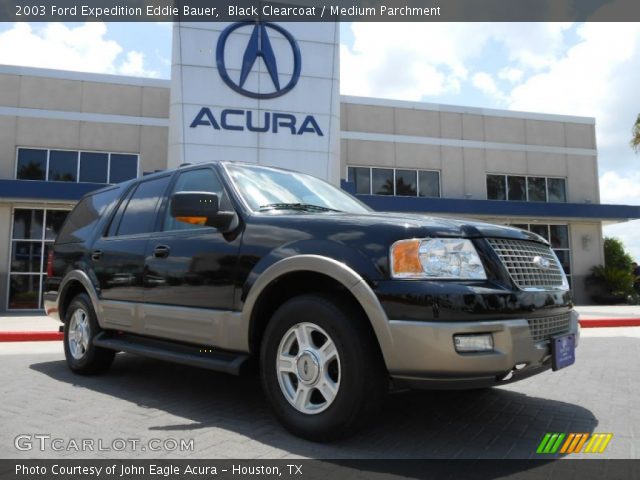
[(197, 83)]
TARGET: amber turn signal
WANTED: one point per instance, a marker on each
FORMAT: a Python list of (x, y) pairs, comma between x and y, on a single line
[(193, 220), (405, 258)]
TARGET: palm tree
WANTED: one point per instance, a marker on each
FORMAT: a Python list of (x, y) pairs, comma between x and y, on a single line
[(635, 132)]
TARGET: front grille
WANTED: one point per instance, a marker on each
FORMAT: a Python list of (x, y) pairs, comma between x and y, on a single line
[(546, 327), (518, 257)]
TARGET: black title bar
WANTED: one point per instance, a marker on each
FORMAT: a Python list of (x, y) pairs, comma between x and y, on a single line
[(319, 10)]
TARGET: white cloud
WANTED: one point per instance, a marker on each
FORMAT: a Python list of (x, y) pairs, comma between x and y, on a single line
[(530, 45), (581, 81), (415, 60), (623, 189), (406, 60), (486, 84), (83, 48), (619, 189), (596, 77), (510, 74), (134, 65)]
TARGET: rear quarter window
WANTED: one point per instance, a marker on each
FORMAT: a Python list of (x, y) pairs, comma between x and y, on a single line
[(84, 218)]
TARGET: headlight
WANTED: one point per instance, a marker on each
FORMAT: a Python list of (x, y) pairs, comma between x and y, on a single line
[(436, 258)]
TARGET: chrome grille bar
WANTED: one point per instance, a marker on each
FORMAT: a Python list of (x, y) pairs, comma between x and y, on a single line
[(518, 258), (544, 328)]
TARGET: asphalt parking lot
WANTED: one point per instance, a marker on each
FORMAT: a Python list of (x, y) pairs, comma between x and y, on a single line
[(227, 417)]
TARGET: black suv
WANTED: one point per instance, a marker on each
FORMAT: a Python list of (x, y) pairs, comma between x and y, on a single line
[(227, 266)]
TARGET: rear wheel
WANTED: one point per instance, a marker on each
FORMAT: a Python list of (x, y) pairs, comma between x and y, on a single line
[(81, 327), (321, 368)]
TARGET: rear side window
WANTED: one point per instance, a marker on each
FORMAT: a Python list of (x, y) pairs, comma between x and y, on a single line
[(140, 211), (84, 218)]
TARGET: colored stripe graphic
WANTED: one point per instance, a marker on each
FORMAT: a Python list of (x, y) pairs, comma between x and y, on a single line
[(543, 443), (573, 443), (550, 443), (567, 443), (598, 443)]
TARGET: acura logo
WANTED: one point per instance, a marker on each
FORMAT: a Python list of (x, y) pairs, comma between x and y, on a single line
[(541, 262), (259, 45)]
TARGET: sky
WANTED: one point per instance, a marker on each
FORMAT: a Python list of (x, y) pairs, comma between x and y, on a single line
[(572, 69)]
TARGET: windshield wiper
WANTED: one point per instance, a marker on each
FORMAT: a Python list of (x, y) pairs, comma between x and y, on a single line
[(297, 206)]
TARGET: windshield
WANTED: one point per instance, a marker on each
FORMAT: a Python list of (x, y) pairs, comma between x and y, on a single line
[(267, 189)]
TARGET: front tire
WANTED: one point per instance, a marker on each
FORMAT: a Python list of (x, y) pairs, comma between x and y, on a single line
[(80, 328), (321, 367)]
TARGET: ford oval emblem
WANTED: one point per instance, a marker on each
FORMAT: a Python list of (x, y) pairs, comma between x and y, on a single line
[(541, 262)]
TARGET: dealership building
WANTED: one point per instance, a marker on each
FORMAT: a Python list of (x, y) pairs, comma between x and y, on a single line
[(269, 94)]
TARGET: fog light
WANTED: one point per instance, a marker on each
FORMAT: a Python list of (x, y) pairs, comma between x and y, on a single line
[(473, 343)]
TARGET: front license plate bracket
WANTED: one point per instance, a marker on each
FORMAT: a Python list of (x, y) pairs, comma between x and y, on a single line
[(563, 351)]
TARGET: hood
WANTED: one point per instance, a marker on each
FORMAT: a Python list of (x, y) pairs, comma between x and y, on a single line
[(416, 225), (408, 225)]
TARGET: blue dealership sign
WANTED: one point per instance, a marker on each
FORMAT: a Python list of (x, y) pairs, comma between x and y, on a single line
[(259, 46)]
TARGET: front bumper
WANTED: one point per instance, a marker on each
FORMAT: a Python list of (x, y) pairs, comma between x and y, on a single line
[(424, 356)]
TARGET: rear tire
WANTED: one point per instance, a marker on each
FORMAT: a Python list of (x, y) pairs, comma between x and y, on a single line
[(80, 328), (321, 367)]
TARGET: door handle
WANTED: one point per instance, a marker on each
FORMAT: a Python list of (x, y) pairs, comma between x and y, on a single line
[(96, 255), (161, 251)]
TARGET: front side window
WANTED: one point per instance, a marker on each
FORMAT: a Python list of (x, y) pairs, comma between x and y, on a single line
[(140, 212), (266, 189)]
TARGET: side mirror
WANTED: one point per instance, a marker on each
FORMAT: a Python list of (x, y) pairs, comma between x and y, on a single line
[(201, 208)]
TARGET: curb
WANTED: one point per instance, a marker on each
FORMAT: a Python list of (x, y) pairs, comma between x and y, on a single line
[(609, 322), (30, 336)]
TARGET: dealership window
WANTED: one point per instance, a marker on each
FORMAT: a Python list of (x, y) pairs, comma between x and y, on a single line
[(395, 181), (33, 233), (558, 238), (75, 166), (526, 188)]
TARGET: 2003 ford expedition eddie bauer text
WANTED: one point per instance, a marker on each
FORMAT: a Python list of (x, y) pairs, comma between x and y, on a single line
[(229, 266)]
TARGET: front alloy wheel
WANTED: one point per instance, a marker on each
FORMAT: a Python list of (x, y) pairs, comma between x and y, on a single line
[(308, 367), (324, 376)]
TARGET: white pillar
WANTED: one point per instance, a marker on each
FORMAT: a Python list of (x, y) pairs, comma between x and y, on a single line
[(214, 116)]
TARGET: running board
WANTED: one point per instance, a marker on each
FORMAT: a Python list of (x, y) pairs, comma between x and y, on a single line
[(194, 356)]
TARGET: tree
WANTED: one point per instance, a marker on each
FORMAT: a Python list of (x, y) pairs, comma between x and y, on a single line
[(615, 256), (635, 135), (613, 282)]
